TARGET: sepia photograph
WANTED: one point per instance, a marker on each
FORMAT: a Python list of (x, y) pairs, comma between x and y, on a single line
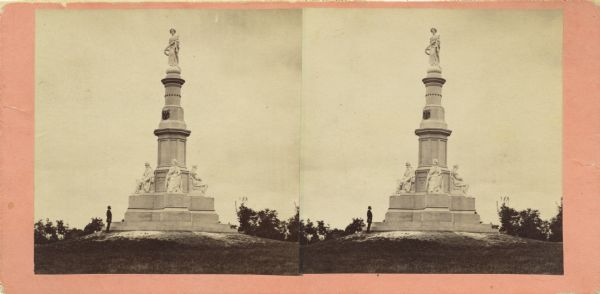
[(299, 147), (313, 141), (161, 134), (432, 141)]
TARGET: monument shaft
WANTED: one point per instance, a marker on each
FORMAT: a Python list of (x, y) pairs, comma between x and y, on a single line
[(172, 133), (433, 132)]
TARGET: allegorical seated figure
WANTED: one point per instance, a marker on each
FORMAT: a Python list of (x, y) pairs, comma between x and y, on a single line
[(456, 182), (145, 183), (173, 178), (408, 180), (434, 178), (197, 184)]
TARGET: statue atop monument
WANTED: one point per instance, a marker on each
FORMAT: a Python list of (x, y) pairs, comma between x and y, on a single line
[(434, 178), (197, 181), (433, 50), (173, 179), (457, 183), (145, 183), (172, 50), (407, 180)]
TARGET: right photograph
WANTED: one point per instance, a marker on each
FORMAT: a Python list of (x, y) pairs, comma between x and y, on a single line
[(431, 141)]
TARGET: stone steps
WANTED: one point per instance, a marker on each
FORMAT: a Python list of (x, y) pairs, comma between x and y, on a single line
[(171, 226)]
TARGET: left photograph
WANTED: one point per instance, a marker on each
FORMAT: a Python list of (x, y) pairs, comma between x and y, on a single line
[(126, 183)]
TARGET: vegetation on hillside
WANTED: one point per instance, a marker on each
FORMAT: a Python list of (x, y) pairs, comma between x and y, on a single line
[(266, 224), (528, 224), (325, 249), (49, 232)]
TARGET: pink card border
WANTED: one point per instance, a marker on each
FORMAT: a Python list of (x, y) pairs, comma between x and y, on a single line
[(581, 173)]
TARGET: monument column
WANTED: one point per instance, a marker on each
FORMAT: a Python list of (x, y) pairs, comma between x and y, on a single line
[(433, 131), (172, 132)]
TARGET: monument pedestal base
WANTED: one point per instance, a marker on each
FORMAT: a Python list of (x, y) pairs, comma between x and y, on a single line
[(171, 212), (432, 212)]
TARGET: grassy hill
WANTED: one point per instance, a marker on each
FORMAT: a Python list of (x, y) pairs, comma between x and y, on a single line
[(218, 253), (433, 252), (167, 253)]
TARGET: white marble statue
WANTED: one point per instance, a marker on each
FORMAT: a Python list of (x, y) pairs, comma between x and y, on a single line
[(172, 50), (173, 179), (433, 50), (408, 180), (456, 182), (197, 181), (145, 183), (434, 178)]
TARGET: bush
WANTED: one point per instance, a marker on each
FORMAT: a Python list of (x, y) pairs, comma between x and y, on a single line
[(555, 226), (73, 233), (509, 220), (39, 235), (294, 227), (355, 226), (528, 224), (322, 230), (309, 233), (269, 226), (247, 218), (95, 225), (48, 232), (263, 223), (531, 225), (335, 233)]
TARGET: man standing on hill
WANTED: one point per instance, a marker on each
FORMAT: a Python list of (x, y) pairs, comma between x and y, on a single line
[(108, 218), (369, 219)]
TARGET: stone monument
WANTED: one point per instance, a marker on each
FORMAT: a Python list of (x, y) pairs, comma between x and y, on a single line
[(432, 198), (170, 197)]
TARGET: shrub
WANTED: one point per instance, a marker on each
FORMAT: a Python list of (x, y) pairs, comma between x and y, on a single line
[(509, 220), (528, 224), (294, 227), (555, 226), (39, 236), (268, 225), (335, 233), (531, 225), (95, 225), (309, 233), (48, 232), (73, 233), (247, 218), (263, 223), (355, 226)]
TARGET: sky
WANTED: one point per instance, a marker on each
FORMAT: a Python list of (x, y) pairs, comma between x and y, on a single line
[(316, 107)]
